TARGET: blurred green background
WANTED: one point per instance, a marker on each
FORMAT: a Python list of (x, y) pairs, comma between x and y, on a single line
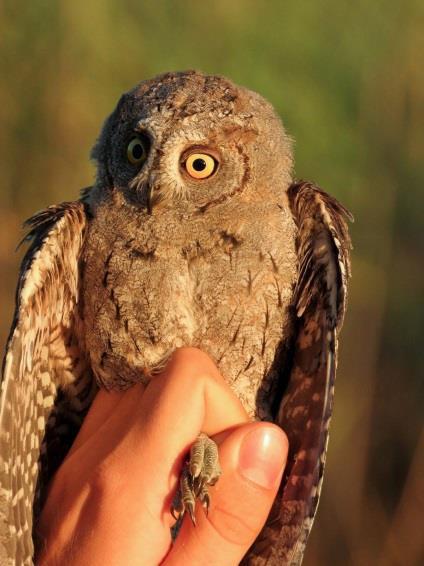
[(348, 81)]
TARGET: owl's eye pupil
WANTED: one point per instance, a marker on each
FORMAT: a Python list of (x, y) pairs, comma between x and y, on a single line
[(137, 151), (199, 164)]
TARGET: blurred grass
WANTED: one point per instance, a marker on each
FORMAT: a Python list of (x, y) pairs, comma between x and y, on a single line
[(348, 81)]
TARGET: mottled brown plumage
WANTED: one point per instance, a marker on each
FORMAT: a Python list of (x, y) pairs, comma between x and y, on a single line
[(244, 264)]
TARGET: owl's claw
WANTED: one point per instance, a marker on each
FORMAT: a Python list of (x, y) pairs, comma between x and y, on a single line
[(200, 471), (176, 513), (205, 500), (190, 508)]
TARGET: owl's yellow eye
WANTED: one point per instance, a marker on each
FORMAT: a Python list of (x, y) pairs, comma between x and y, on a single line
[(137, 150), (200, 165)]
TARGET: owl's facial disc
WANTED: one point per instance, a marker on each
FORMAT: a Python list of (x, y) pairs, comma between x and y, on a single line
[(191, 163), (186, 141)]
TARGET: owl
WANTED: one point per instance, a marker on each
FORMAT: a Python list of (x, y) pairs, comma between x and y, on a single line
[(194, 234)]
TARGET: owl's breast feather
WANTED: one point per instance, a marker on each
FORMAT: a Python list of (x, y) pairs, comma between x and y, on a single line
[(223, 285)]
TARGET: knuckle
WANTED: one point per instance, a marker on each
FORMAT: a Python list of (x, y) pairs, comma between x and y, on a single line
[(234, 528), (107, 479)]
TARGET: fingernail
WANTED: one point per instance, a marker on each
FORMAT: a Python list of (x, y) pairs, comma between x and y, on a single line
[(262, 456)]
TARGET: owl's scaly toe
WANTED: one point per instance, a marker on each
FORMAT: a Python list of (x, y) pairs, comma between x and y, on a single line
[(200, 471)]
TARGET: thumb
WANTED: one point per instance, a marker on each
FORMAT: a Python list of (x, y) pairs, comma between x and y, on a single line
[(252, 458)]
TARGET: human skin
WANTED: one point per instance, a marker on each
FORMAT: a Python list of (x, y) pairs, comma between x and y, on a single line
[(109, 503)]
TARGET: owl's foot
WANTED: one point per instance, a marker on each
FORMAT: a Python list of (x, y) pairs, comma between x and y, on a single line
[(200, 471)]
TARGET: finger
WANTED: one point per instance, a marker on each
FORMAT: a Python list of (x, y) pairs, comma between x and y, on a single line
[(190, 396), (253, 458), (103, 407), (135, 457), (189, 375)]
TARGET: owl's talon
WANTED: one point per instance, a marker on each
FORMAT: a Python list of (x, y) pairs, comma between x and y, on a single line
[(201, 471), (175, 514), (190, 509), (205, 503)]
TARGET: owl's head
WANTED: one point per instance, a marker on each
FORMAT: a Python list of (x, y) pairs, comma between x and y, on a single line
[(191, 140)]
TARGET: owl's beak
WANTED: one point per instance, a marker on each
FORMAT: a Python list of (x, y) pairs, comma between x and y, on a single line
[(149, 194), (152, 192)]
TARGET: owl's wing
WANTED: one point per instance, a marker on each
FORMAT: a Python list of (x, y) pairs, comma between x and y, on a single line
[(44, 371), (323, 247)]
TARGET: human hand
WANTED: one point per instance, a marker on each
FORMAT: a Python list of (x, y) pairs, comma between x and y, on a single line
[(109, 503)]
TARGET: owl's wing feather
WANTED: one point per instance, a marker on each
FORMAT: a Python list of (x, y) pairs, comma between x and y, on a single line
[(42, 359), (323, 246)]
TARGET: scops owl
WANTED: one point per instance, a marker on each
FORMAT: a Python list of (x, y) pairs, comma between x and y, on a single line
[(194, 233)]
